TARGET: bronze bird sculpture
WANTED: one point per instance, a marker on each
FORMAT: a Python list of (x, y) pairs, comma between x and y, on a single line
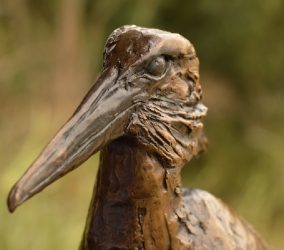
[(144, 115)]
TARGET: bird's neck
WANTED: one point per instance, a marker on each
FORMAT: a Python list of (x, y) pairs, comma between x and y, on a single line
[(137, 203)]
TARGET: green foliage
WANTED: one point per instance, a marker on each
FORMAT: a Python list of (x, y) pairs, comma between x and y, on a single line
[(51, 52)]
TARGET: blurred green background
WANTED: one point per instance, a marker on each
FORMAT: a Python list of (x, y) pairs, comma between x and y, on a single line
[(51, 53)]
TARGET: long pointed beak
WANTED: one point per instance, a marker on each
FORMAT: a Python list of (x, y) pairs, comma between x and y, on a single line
[(99, 119)]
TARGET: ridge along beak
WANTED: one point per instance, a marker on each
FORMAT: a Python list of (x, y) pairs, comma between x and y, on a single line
[(98, 120)]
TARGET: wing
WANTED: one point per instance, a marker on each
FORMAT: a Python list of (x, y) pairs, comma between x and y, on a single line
[(213, 225)]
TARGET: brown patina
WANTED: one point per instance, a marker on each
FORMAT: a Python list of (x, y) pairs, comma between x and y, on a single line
[(144, 114)]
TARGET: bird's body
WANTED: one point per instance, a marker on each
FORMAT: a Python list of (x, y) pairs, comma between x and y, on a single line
[(215, 226), (139, 204), (144, 114)]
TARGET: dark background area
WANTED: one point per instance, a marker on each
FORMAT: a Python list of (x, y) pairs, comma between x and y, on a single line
[(51, 53)]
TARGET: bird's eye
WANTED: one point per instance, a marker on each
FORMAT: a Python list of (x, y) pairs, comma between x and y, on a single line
[(157, 66)]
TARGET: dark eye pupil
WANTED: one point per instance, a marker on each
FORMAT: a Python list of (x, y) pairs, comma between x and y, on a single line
[(157, 66)]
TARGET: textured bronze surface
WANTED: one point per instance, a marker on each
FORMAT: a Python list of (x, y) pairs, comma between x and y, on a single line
[(144, 114)]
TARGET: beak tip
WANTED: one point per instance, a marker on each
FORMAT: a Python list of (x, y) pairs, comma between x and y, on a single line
[(13, 200)]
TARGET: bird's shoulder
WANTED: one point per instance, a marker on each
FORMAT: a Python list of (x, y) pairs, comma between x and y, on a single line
[(213, 225)]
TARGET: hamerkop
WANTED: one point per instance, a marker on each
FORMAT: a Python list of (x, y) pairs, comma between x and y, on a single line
[(144, 114)]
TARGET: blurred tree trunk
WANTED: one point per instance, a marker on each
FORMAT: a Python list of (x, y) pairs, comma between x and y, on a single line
[(69, 69)]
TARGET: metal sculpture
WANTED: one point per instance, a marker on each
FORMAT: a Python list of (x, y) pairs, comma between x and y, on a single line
[(144, 114)]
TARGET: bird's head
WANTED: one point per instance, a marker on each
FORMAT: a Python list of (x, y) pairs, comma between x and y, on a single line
[(149, 89)]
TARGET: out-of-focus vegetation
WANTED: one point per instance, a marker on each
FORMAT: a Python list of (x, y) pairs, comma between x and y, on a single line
[(51, 53)]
